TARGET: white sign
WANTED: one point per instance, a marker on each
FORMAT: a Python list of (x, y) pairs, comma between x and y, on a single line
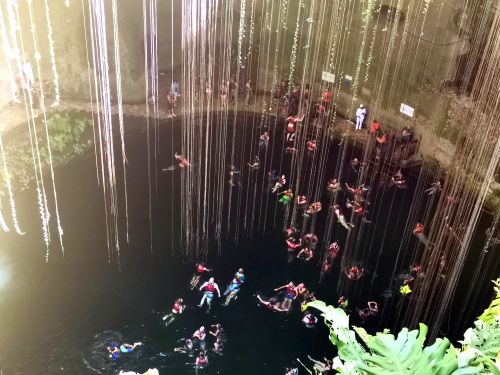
[(328, 77), (349, 78), (407, 110)]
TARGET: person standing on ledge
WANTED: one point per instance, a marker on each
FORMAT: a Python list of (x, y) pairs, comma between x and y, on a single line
[(360, 116)]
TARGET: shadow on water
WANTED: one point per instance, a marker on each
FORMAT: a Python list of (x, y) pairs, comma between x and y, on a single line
[(59, 317)]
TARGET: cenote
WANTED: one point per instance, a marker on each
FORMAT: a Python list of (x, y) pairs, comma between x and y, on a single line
[(60, 316), (345, 155)]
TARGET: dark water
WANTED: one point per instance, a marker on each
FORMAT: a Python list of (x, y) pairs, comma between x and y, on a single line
[(59, 317)]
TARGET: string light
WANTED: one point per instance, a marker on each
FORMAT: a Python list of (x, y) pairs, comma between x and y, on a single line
[(55, 76)]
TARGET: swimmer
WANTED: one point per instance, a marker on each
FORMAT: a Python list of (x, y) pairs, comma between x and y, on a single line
[(309, 320), (314, 208), (291, 294), (255, 164), (199, 336), (279, 184), (183, 162), (123, 349), (240, 276), (311, 239), (286, 197), (195, 280), (333, 250), (333, 185), (201, 360), (341, 218), (177, 309), (231, 291), (292, 371), (354, 273), (326, 266), (218, 345), (218, 330), (321, 367), (186, 348), (418, 231), (270, 305), (209, 286), (305, 254), (343, 302), (358, 208)]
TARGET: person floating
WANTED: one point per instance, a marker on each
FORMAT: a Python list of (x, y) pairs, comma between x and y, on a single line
[(279, 184), (264, 139), (218, 330), (360, 116), (177, 309), (311, 239), (326, 266), (358, 208), (186, 348), (418, 231), (435, 188), (218, 345), (232, 291), (290, 295), (183, 162), (343, 302), (201, 360), (333, 250), (333, 185), (398, 180), (292, 244), (302, 201), (200, 269), (255, 164), (286, 196), (240, 276), (341, 218), (311, 145), (321, 367), (354, 273), (271, 305), (306, 254), (115, 351), (209, 286), (309, 320), (314, 208)]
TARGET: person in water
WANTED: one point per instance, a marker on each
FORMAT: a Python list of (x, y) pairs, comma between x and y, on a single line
[(199, 337), (201, 360), (343, 302), (125, 348), (418, 231), (291, 294), (306, 254), (218, 345), (200, 269), (354, 273), (177, 309), (309, 320), (232, 291), (271, 305), (186, 348), (341, 218), (286, 196), (183, 162), (240, 276), (209, 288), (321, 367), (218, 330)]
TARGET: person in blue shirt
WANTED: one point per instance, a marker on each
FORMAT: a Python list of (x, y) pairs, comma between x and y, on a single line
[(232, 291)]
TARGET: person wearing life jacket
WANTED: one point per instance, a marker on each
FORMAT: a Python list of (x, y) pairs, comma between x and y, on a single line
[(314, 208), (200, 269), (292, 244), (311, 239), (199, 337), (177, 309), (232, 291), (302, 201), (271, 304), (305, 254), (333, 250), (290, 295), (279, 184), (326, 266), (358, 208), (286, 196), (201, 360), (418, 231), (209, 288), (311, 145), (354, 273), (333, 185), (240, 276), (309, 320)]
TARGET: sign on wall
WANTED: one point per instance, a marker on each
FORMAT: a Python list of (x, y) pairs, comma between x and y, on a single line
[(328, 77), (407, 110)]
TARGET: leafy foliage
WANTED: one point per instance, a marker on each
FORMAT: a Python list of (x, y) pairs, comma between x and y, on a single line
[(406, 353), (68, 138)]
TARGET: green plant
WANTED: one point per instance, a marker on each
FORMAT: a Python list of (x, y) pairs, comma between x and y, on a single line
[(405, 353), (68, 138)]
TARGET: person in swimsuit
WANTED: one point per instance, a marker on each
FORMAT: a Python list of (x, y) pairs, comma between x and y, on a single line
[(209, 288)]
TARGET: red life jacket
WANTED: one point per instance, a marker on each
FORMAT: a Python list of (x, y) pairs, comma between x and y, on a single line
[(210, 288), (177, 307), (291, 290), (200, 268)]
